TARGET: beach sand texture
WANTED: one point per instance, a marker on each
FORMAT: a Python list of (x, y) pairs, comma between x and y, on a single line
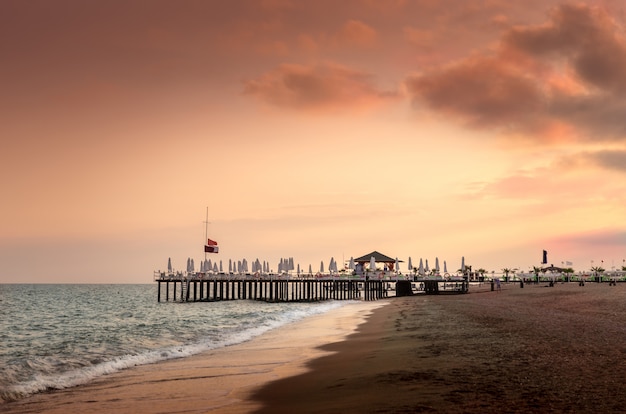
[(537, 349)]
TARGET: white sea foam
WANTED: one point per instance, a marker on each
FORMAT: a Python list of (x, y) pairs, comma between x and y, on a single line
[(127, 343)]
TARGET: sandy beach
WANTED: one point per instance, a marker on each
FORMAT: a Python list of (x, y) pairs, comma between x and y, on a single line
[(537, 349), (221, 380)]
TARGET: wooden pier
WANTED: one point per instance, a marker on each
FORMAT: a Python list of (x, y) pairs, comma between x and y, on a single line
[(184, 289)]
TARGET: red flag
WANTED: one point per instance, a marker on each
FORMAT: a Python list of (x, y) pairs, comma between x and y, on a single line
[(211, 249), (211, 242)]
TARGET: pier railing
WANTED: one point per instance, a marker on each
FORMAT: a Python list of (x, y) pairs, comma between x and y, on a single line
[(284, 287), (382, 276)]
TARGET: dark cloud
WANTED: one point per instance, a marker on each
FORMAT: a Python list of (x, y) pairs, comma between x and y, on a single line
[(482, 91), (585, 37), (600, 116), (610, 159), (568, 72)]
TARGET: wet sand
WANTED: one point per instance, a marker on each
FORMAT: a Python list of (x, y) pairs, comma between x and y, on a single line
[(532, 350), (538, 349)]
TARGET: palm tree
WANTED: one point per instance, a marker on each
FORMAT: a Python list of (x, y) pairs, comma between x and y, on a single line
[(568, 273), (482, 272), (506, 272), (596, 270), (536, 271)]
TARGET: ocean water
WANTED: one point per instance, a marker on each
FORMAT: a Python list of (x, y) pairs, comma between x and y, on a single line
[(58, 336)]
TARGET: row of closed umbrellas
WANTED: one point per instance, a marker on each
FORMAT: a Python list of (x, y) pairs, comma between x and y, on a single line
[(286, 265), (422, 269)]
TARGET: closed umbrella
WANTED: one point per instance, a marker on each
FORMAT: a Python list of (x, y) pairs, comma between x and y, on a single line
[(410, 265), (372, 263), (397, 265), (169, 265), (420, 269)]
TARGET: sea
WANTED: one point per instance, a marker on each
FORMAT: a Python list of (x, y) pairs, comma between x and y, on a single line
[(62, 335)]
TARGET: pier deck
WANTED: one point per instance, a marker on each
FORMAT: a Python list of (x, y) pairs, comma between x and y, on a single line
[(185, 287)]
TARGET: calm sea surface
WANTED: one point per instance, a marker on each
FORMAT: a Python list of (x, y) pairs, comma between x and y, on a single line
[(57, 336)]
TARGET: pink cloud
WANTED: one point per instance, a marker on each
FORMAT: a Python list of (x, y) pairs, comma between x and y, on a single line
[(568, 74), (570, 178), (307, 43), (323, 87), (356, 33), (275, 48), (277, 4), (575, 183), (419, 37), (516, 186), (601, 238)]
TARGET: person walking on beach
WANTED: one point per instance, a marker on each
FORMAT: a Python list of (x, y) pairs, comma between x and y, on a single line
[(497, 284)]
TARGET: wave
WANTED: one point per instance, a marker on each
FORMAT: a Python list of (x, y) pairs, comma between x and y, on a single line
[(42, 382)]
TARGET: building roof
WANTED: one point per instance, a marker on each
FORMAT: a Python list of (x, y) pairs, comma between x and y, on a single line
[(378, 257), (553, 269)]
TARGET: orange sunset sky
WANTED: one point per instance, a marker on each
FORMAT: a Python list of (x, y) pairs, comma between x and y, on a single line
[(488, 129)]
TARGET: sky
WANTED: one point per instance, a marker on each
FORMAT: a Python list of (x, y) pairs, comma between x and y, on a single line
[(490, 130)]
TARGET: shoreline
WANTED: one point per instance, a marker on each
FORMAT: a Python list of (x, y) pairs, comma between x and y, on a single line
[(518, 350), (220, 380)]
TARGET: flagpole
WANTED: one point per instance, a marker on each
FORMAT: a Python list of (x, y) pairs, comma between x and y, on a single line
[(206, 229)]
